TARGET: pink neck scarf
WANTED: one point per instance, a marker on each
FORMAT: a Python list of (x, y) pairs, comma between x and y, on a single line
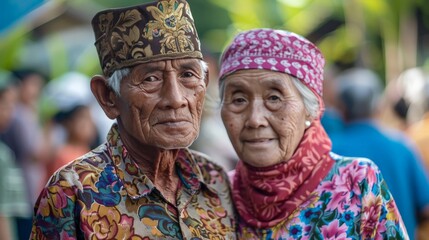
[(266, 196)]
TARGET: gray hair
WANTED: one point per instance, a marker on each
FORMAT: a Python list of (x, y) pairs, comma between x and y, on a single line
[(115, 80), (311, 102)]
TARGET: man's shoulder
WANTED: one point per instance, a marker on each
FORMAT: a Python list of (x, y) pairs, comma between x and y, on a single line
[(89, 164)]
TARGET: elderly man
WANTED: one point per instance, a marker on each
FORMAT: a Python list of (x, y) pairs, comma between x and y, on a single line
[(143, 183)]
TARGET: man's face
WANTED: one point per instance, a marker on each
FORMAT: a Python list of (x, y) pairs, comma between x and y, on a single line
[(161, 103)]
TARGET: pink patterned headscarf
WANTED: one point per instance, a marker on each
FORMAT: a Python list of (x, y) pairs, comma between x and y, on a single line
[(275, 50)]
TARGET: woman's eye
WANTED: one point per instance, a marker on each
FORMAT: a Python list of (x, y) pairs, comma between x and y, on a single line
[(188, 74), (274, 98)]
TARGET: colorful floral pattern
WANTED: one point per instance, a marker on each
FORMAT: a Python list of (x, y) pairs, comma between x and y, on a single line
[(352, 202), (104, 195)]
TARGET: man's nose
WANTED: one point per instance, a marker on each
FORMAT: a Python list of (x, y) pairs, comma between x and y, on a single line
[(172, 93)]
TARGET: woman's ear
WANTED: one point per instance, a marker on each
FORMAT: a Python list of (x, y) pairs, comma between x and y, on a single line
[(105, 96)]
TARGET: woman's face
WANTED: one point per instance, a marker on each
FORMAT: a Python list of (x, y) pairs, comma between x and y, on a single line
[(264, 116)]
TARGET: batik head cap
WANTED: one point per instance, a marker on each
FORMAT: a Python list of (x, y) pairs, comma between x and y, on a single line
[(275, 50), (154, 31)]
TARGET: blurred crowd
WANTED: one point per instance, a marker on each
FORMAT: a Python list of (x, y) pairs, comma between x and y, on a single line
[(46, 123), (43, 126), (389, 125)]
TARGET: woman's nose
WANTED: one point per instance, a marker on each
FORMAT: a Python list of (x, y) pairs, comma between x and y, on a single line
[(257, 115)]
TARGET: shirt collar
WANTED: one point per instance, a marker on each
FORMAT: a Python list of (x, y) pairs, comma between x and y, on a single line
[(136, 183)]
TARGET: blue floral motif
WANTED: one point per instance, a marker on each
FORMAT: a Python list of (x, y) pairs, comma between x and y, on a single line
[(108, 187), (310, 214), (295, 231), (166, 224)]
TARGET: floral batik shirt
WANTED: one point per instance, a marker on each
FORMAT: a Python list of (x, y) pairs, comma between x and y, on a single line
[(104, 195), (352, 202)]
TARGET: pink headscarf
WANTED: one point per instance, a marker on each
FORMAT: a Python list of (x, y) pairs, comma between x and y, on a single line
[(275, 50)]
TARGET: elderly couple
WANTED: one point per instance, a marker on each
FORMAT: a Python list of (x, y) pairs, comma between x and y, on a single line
[(144, 182)]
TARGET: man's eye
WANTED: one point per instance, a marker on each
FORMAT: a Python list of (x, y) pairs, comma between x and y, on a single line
[(239, 100), (151, 79)]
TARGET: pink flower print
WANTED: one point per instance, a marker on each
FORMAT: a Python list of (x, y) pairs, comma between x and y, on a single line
[(335, 231), (370, 215), (338, 201), (350, 177)]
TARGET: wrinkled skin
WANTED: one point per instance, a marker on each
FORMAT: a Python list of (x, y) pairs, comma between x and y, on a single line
[(158, 111), (162, 102), (264, 116)]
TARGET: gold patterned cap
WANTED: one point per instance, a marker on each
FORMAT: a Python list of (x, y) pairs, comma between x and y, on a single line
[(154, 31)]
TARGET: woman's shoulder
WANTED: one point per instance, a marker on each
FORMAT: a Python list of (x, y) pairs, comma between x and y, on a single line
[(361, 169), (350, 160)]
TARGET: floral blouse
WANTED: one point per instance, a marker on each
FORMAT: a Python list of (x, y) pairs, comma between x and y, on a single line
[(351, 202), (104, 195)]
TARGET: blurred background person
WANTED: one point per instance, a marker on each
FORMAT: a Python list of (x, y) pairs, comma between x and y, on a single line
[(80, 133), (401, 97), (13, 202), (419, 118), (418, 131), (74, 118), (331, 119), (24, 136), (359, 92)]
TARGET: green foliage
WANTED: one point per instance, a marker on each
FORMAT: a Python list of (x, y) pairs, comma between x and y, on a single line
[(354, 32), (10, 46)]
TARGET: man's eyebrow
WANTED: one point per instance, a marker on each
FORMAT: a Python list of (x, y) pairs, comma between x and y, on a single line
[(150, 67), (189, 64)]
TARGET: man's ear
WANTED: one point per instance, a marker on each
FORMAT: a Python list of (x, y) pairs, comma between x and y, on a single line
[(206, 77), (105, 96)]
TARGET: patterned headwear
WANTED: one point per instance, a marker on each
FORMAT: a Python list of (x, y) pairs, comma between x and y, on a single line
[(275, 50), (151, 32)]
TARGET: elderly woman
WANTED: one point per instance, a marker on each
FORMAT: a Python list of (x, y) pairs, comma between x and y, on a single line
[(288, 185)]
